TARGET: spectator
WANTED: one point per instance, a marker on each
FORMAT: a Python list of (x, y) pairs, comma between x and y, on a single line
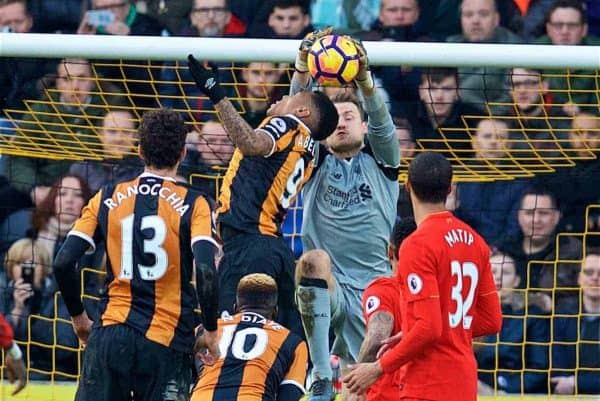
[(282, 19), (55, 216), (208, 18), (566, 24), (120, 162), (407, 151), (539, 218), (577, 186), (259, 90), (172, 15), (525, 18), (490, 207), (396, 22), (439, 19), (135, 78), (20, 78), (344, 15), (56, 16), (26, 293), (515, 361), (576, 335), (592, 10), (59, 126), (208, 155), (437, 119), (213, 18), (544, 126), (480, 24)]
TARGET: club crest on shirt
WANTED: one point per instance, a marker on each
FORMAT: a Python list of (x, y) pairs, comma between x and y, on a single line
[(415, 284), (372, 304)]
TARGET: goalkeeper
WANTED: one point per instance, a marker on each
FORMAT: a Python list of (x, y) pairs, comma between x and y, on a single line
[(349, 211)]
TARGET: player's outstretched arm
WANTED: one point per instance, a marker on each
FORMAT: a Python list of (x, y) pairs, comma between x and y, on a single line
[(69, 283), (250, 142), (381, 131), (301, 76), (379, 328), (207, 290)]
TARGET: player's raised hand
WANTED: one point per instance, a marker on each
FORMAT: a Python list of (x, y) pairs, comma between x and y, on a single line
[(364, 79), (306, 44), (207, 79)]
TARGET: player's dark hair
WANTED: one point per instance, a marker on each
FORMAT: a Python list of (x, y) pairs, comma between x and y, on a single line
[(326, 116), (435, 75), (540, 190), (574, 4), (402, 229), (430, 177), (257, 292), (162, 138)]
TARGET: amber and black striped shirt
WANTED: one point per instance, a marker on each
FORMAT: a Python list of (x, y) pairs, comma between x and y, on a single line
[(257, 357), (149, 225), (257, 190)]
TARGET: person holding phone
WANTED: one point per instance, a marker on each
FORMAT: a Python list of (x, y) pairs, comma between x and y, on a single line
[(27, 265)]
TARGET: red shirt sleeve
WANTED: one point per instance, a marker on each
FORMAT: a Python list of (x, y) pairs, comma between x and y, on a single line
[(426, 330), (379, 297), (6, 333), (420, 291), (488, 312)]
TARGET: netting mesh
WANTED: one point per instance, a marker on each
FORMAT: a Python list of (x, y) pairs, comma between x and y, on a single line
[(66, 124)]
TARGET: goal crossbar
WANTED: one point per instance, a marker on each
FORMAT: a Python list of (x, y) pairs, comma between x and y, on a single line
[(282, 50)]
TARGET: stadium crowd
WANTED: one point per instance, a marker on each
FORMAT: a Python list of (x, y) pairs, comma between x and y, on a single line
[(543, 230)]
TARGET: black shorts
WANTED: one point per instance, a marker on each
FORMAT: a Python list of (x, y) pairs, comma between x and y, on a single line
[(254, 253), (120, 364)]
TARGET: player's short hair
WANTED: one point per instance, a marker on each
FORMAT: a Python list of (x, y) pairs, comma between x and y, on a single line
[(402, 229), (574, 4), (349, 97), (438, 74), (325, 118), (430, 177), (162, 136), (257, 291)]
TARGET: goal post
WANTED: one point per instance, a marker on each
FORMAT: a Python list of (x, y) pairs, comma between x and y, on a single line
[(422, 54)]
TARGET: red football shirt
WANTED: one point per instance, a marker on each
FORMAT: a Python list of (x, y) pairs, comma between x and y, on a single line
[(383, 295), (443, 265)]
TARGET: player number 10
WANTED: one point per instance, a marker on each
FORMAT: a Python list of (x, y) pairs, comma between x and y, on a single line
[(466, 269)]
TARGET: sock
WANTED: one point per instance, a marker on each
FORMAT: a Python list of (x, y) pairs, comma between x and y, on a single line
[(315, 309)]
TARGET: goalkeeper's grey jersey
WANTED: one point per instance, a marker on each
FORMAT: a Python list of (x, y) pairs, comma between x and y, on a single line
[(350, 205)]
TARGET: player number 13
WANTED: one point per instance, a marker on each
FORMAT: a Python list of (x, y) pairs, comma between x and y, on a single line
[(152, 245), (466, 269)]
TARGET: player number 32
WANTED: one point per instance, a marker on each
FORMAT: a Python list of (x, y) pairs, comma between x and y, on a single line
[(462, 270)]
